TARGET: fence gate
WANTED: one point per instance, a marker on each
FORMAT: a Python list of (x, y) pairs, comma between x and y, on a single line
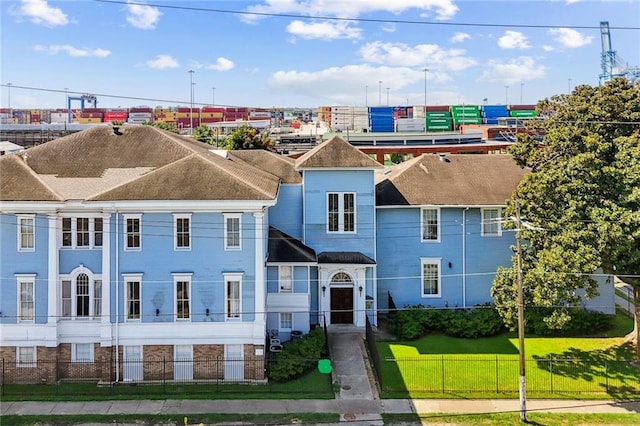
[(183, 362), (233, 363)]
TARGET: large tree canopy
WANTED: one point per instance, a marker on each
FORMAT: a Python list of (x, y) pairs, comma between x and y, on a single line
[(582, 199), (245, 137)]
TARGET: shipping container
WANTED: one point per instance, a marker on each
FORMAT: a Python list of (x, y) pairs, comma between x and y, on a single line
[(410, 125), (436, 108), (465, 108), (522, 113), (141, 109), (522, 107), (438, 114)]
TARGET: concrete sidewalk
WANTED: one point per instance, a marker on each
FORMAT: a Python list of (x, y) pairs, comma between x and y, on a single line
[(357, 407)]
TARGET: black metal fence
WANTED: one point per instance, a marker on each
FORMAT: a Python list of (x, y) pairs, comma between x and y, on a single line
[(197, 376), (468, 374), (373, 351)]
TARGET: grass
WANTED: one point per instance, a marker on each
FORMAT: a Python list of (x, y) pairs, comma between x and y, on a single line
[(313, 385), (500, 419), (556, 367), (172, 419)]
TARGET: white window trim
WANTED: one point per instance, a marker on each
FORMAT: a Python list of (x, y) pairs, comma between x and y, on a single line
[(29, 364), (74, 233), (341, 212), (280, 327), (438, 230), (483, 221), (232, 277), (126, 279), (73, 277), (20, 218), (280, 288), (125, 240), (26, 278), (431, 261), (182, 277), (226, 240), (74, 355), (177, 216)]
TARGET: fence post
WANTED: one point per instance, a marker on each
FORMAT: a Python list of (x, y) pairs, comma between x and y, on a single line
[(497, 385), (551, 371), (164, 374), (442, 362), (3, 382), (606, 376)]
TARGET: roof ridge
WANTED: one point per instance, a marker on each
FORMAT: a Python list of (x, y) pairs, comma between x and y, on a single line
[(23, 163)]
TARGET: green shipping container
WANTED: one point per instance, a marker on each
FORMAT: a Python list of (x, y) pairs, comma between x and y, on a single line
[(439, 127), (468, 120), (465, 108), (439, 121), (522, 113), (438, 114)]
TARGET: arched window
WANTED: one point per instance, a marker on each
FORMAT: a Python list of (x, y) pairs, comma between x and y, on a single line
[(81, 294), (341, 277)]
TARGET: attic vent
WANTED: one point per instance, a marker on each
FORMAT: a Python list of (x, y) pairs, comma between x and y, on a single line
[(444, 159), (388, 171)]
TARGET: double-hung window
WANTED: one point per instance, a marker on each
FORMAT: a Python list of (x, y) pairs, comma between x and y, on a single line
[(133, 287), (233, 288), (26, 356), (341, 212), (82, 352), (285, 278), (431, 280), (81, 232), (132, 229), (26, 233), (430, 224), (182, 231), (232, 232), (182, 283), (286, 321), (491, 222), (26, 297)]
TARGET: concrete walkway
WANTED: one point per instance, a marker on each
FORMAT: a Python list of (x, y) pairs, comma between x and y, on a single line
[(350, 369)]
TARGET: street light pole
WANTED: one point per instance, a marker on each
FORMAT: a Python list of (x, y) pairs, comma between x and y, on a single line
[(191, 101), (425, 86), (379, 92), (522, 388), (521, 88), (366, 95), (387, 96), (213, 99), (506, 95), (9, 100)]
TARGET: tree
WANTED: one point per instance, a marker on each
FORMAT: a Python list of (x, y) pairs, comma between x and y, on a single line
[(582, 197), (245, 137), (204, 133), (171, 127)]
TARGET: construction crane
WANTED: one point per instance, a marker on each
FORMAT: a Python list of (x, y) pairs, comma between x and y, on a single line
[(612, 64), (82, 98)]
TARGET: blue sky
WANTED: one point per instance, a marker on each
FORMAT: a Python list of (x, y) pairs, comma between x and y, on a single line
[(288, 57)]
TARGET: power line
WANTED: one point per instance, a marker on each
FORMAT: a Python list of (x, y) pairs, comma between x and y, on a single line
[(369, 20)]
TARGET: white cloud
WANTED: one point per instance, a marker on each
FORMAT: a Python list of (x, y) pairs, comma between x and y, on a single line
[(431, 55), (548, 48), (389, 27), (513, 71), (162, 62), (143, 16), (572, 1), (222, 64), (460, 37), (39, 12), (323, 30), (441, 9), (570, 38), (76, 52), (513, 40)]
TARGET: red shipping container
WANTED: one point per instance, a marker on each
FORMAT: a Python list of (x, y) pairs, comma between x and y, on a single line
[(436, 108), (212, 109)]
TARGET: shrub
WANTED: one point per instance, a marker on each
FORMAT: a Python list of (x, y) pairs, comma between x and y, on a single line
[(297, 356), (581, 322)]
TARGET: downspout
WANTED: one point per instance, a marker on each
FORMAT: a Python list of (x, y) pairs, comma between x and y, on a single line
[(117, 282), (464, 257)]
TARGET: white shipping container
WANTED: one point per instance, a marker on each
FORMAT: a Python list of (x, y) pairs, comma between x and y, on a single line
[(59, 117), (410, 125), (260, 114), (147, 115)]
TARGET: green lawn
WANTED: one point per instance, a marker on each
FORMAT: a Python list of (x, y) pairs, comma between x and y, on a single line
[(555, 366), (505, 419)]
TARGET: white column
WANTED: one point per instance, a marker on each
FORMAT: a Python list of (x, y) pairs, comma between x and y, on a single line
[(105, 326), (260, 284), (360, 281), (53, 312)]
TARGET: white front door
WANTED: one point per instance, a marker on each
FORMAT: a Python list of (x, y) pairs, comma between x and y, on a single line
[(183, 362), (132, 369), (233, 363)]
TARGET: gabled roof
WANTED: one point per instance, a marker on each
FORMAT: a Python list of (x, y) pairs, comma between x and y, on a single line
[(19, 183), (278, 165), (353, 257), (458, 179), (284, 248), (336, 153), (138, 163)]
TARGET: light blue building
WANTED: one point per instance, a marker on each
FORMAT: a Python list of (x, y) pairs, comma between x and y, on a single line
[(142, 245)]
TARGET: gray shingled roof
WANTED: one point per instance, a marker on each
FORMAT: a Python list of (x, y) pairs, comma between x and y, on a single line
[(278, 165), (286, 249), (142, 163), (335, 153), (462, 179), (19, 183)]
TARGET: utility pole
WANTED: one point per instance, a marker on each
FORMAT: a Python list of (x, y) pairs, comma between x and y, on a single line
[(379, 92), (425, 85), (522, 389), (191, 101)]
